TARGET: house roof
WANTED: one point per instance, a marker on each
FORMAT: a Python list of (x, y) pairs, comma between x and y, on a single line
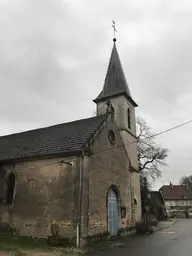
[(175, 192), (115, 81), (58, 139)]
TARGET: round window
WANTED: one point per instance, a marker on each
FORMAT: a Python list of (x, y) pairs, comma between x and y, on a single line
[(111, 136)]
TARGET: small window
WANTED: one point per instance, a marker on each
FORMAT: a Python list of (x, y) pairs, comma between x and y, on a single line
[(10, 187), (111, 136), (135, 201), (129, 118), (123, 212)]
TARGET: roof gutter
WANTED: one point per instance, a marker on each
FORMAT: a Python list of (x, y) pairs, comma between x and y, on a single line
[(28, 158)]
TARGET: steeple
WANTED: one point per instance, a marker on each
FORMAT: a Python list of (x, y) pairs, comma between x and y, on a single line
[(115, 82), (116, 99)]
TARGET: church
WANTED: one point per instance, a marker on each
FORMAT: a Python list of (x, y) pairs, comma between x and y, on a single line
[(81, 175)]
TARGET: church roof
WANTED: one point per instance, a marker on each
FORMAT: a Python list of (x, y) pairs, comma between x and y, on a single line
[(58, 139), (115, 81)]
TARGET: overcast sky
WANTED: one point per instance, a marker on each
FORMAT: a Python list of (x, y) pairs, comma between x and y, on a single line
[(54, 55)]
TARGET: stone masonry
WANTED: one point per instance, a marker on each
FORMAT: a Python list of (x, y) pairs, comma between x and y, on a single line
[(45, 192), (109, 165), (121, 104)]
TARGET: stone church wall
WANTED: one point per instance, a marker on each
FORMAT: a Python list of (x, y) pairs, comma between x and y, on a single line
[(121, 104), (132, 151), (45, 192), (108, 167)]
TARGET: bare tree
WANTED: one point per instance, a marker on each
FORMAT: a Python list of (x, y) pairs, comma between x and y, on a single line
[(151, 156), (187, 180)]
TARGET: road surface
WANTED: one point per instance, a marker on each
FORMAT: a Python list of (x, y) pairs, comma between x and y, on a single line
[(173, 241)]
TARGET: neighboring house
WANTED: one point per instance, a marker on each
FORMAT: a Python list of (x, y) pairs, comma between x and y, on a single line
[(157, 205), (177, 198), (76, 174)]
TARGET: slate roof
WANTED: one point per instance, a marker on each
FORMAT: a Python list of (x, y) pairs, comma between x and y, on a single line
[(115, 81), (58, 139), (175, 192)]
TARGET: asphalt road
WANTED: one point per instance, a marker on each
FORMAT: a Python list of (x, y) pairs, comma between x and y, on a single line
[(173, 241)]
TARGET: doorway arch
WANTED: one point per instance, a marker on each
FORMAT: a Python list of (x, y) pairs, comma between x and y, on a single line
[(113, 214)]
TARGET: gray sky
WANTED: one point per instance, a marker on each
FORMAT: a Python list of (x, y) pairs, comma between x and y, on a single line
[(54, 55)]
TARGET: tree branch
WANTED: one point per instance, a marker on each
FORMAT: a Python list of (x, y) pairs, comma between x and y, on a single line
[(147, 162)]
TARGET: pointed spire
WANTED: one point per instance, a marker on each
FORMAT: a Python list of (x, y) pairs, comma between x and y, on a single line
[(115, 81)]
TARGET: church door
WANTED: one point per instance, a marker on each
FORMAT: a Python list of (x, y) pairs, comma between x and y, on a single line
[(112, 213)]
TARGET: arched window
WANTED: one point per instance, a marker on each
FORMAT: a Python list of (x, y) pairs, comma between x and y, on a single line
[(113, 214), (129, 118), (10, 187)]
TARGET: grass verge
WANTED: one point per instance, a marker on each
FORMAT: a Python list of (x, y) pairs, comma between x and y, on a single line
[(10, 243)]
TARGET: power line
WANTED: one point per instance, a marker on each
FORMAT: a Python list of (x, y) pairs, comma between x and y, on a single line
[(149, 137), (170, 129)]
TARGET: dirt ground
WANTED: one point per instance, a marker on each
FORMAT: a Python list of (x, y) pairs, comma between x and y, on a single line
[(29, 253), (32, 253)]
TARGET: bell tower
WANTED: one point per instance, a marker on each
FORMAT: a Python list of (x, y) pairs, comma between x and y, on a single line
[(116, 92)]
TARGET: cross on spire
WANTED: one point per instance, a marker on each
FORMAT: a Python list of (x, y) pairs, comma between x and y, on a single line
[(114, 30)]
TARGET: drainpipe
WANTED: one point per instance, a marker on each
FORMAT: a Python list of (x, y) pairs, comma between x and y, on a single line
[(132, 197), (77, 235), (80, 199)]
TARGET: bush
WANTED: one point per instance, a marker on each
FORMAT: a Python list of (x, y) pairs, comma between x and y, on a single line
[(143, 228), (153, 223), (67, 251)]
